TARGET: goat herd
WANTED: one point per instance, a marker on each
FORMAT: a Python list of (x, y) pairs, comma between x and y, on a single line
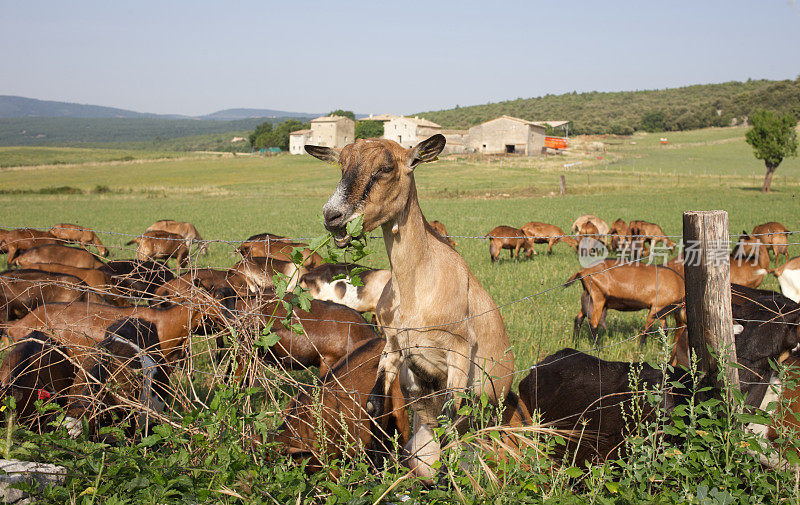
[(102, 339)]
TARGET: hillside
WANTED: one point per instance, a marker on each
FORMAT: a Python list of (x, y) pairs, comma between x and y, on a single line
[(18, 107), (675, 109), (83, 131), (233, 114)]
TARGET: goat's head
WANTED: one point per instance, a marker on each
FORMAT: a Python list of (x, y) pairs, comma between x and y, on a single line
[(377, 177)]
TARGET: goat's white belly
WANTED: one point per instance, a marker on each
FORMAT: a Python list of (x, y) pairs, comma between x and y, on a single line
[(790, 284), (350, 299)]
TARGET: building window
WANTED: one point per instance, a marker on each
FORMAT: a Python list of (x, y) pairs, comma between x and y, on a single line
[(399, 139)]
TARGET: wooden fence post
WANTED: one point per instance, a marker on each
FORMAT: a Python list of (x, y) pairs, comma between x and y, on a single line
[(708, 291), (562, 190)]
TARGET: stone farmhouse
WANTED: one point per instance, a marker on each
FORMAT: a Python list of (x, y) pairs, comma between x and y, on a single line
[(409, 131), (325, 131), (508, 135)]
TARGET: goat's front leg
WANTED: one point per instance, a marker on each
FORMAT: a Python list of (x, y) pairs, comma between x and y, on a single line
[(458, 366), (376, 401)]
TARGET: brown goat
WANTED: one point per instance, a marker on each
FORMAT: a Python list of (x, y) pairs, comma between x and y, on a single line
[(642, 232), (339, 408), (98, 281), (619, 286), (441, 230), (258, 272), (21, 291), (330, 331), (506, 237), (80, 325), (161, 245), (209, 278), (267, 245), (444, 333), (22, 239), (319, 282), (56, 253), (543, 233), (618, 235), (184, 229), (76, 234), (137, 279), (36, 368), (773, 235)]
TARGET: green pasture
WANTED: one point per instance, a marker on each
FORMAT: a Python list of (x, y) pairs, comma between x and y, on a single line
[(231, 198)]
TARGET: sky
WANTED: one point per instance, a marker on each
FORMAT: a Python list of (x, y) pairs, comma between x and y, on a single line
[(196, 57)]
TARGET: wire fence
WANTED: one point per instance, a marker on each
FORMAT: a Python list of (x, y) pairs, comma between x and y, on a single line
[(211, 329)]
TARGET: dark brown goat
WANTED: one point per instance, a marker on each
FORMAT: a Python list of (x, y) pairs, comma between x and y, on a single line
[(77, 234), (543, 233), (137, 279), (506, 237), (161, 245), (21, 291), (267, 245), (98, 281), (56, 253), (339, 408), (36, 368), (330, 331), (441, 230), (620, 286), (22, 239)]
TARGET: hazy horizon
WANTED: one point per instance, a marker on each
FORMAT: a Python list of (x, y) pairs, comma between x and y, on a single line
[(195, 58)]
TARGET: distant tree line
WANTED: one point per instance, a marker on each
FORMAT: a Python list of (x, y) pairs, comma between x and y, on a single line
[(623, 113)]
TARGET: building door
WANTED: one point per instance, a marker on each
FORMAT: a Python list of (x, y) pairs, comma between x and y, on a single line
[(510, 149)]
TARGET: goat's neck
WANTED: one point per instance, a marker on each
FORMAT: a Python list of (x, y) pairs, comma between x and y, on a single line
[(406, 238)]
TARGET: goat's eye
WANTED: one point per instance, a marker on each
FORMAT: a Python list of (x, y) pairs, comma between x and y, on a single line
[(387, 169)]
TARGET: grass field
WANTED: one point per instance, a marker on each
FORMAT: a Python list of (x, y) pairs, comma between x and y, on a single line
[(231, 198)]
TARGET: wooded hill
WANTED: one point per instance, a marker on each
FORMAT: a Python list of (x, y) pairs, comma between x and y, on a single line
[(686, 108)]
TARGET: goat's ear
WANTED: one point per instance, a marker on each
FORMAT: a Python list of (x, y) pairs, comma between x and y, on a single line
[(326, 154), (427, 150)]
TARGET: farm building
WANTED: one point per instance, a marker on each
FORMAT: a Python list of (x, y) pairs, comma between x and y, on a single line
[(297, 141), (507, 135), (380, 117), (409, 131), (457, 141)]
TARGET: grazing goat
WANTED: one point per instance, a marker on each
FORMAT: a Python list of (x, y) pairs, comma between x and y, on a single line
[(76, 234), (610, 284), (56, 253), (773, 235), (749, 270), (330, 331), (506, 237), (209, 278), (618, 235), (602, 226), (122, 379), (322, 286), (788, 276), (36, 368), (258, 272), (185, 230), (441, 230), (137, 279), (98, 281), (643, 232), (161, 245), (21, 291), (595, 400), (455, 347), (543, 233), (22, 239), (338, 410), (267, 245)]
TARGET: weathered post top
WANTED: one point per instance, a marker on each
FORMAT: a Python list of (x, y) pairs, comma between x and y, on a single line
[(708, 290)]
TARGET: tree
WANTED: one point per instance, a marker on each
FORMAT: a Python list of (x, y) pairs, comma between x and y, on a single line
[(345, 113), (366, 129), (772, 138), (277, 136), (652, 121), (261, 129)]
